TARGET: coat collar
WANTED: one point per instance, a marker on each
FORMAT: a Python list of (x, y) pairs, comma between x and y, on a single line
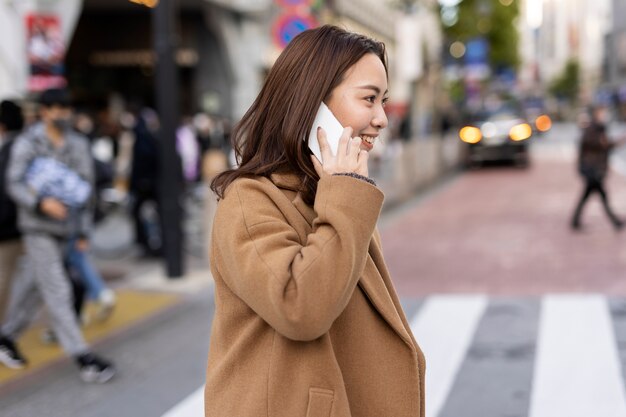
[(291, 182), (286, 181)]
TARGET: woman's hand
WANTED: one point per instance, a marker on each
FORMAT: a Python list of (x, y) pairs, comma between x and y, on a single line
[(349, 159), (82, 245)]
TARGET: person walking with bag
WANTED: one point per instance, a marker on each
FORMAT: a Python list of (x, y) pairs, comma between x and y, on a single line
[(307, 321), (593, 162), (46, 226)]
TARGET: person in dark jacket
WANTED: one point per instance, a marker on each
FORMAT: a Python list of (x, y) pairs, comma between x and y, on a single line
[(144, 181), (593, 160), (11, 124)]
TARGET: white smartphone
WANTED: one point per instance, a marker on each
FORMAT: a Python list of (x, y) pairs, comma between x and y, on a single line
[(327, 120)]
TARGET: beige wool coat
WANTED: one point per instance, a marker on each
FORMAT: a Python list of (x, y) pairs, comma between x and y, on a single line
[(307, 322)]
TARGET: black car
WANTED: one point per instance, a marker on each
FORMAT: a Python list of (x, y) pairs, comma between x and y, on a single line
[(499, 136)]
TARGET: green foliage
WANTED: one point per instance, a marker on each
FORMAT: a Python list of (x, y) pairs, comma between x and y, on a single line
[(494, 21), (456, 90), (566, 85)]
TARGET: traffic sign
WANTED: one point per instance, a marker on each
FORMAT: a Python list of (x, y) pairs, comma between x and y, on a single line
[(290, 25)]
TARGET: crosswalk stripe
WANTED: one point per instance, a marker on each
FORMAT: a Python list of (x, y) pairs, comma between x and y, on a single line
[(577, 370), (444, 327), (192, 406)]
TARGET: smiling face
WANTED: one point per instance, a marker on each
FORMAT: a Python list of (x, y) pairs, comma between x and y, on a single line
[(359, 101)]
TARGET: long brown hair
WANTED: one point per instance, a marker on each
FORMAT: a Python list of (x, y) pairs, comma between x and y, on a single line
[(270, 136)]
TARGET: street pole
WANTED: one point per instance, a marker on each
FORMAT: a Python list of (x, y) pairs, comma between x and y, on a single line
[(166, 86)]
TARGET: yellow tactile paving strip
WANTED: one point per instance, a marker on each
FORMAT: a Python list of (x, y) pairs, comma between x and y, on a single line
[(131, 307)]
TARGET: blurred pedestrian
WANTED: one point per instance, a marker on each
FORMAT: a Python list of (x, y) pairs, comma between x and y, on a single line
[(46, 223), (214, 161), (593, 161), (11, 125), (188, 149), (77, 257), (79, 261), (144, 183), (307, 319)]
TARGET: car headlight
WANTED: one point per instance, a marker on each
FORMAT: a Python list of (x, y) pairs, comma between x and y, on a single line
[(520, 132), (543, 123), (470, 134)]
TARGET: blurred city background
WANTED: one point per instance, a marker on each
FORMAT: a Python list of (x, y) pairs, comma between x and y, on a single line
[(519, 305)]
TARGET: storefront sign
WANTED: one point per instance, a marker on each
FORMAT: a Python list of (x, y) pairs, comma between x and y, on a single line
[(46, 52)]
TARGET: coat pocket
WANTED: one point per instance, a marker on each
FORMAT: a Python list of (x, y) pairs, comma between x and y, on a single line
[(320, 402)]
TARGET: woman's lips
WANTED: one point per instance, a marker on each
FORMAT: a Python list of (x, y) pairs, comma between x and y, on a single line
[(365, 144), (368, 142)]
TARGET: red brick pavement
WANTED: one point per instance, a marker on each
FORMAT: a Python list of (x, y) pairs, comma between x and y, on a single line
[(506, 231)]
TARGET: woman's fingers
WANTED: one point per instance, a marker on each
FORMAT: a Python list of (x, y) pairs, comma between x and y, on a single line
[(362, 163), (355, 147), (325, 150), (349, 157), (344, 143)]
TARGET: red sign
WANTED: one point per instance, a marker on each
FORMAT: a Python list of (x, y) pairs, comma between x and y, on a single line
[(46, 52), (290, 25)]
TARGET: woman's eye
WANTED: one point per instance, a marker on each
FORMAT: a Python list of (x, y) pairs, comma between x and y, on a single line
[(371, 99)]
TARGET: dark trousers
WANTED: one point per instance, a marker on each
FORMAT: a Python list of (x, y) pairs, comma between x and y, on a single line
[(594, 186), (147, 226)]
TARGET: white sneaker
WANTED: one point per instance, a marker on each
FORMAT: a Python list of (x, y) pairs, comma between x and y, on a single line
[(106, 304), (9, 355)]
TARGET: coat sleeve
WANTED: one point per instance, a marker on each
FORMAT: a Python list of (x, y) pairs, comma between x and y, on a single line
[(298, 288), (22, 155)]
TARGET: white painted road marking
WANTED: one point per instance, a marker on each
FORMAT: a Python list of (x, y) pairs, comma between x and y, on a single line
[(444, 329), (192, 406), (577, 370)]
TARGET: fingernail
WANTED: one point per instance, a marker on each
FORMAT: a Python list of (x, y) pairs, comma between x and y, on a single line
[(318, 128)]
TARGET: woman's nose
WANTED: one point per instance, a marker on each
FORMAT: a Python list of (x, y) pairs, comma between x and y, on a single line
[(380, 119)]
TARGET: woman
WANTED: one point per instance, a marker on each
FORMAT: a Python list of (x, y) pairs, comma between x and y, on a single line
[(307, 322)]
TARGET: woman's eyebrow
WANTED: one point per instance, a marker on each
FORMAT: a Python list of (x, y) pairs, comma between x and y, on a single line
[(372, 87)]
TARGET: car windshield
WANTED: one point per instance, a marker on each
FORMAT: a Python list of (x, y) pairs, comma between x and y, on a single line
[(503, 113)]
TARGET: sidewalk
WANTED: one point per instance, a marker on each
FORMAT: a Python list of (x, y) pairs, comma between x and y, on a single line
[(143, 293)]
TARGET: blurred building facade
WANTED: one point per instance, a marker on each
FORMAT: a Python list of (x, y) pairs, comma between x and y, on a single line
[(108, 50), (572, 29), (220, 47), (615, 62), (529, 24)]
